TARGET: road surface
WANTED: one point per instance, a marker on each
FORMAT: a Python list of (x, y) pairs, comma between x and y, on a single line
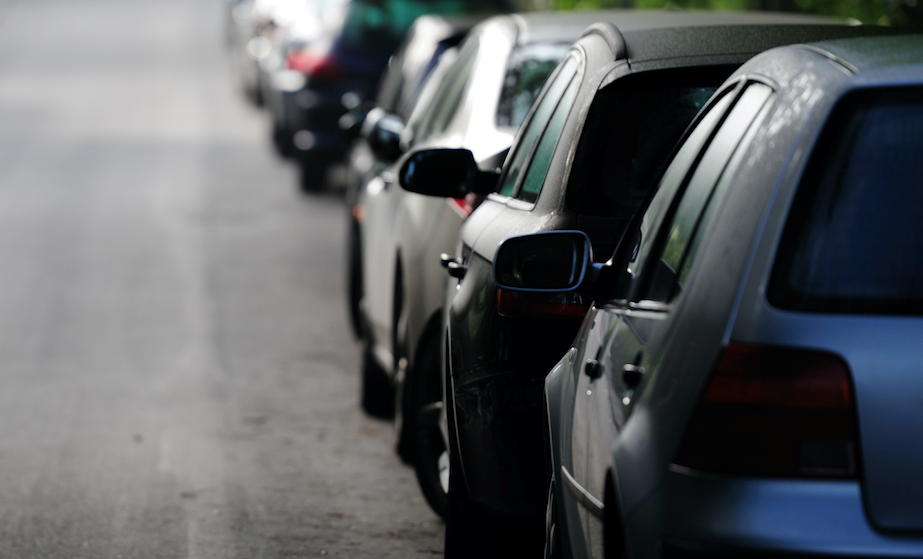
[(177, 377)]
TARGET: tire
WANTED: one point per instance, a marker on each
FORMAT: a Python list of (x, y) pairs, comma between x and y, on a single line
[(354, 277), (552, 535), (404, 401), (429, 451), (313, 173), (471, 532), (464, 534), (282, 140), (375, 388), (615, 545)]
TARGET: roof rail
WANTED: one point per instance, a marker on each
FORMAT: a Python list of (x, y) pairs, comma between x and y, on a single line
[(611, 34)]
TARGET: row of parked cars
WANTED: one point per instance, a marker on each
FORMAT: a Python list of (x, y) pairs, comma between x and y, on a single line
[(646, 284), (310, 62)]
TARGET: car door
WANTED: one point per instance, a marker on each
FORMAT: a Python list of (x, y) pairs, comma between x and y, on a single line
[(662, 258), (472, 298), (383, 202)]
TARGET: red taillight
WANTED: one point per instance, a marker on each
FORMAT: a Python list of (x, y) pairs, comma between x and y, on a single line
[(460, 205), (771, 411), (317, 66), (464, 206), (517, 304)]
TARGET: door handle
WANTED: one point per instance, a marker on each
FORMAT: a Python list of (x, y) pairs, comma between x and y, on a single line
[(632, 375), (593, 368), (455, 269)]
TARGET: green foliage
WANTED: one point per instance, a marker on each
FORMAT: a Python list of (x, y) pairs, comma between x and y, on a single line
[(899, 13)]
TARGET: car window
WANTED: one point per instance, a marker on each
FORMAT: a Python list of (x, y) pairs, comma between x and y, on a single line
[(527, 70), (631, 129), (448, 97), (684, 233), (541, 158), (673, 179), (853, 240), (533, 129)]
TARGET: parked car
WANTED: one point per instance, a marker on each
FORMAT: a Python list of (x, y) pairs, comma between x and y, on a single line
[(378, 143), (298, 24), (747, 383), (346, 64), (254, 27), (585, 159), (479, 104)]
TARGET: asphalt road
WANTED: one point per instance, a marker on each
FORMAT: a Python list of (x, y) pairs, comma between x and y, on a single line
[(177, 377)]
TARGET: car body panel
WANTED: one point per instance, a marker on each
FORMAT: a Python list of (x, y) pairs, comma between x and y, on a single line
[(672, 510)]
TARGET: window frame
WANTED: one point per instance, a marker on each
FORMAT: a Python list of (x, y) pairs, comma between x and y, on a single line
[(672, 195), (530, 121)]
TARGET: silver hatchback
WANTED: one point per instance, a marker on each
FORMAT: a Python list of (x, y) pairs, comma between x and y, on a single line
[(750, 382)]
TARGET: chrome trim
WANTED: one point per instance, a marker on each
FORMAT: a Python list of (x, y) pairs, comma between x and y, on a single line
[(591, 503)]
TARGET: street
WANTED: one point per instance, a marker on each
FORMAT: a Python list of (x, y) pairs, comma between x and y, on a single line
[(177, 375)]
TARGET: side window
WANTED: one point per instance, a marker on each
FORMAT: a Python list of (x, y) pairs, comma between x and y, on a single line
[(673, 178), (448, 96), (533, 129), (541, 160), (684, 231)]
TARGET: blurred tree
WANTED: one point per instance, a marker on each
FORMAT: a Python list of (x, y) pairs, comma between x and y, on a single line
[(907, 14)]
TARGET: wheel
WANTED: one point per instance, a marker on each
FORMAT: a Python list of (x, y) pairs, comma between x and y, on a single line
[(282, 140), (614, 542), (431, 459), (470, 531), (463, 532), (404, 401), (552, 537), (375, 388), (354, 277), (313, 173)]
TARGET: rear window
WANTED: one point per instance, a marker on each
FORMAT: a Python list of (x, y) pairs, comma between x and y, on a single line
[(527, 70), (631, 130), (853, 242)]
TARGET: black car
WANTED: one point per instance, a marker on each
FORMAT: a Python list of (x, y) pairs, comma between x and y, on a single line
[(585, 159), (360, 37)]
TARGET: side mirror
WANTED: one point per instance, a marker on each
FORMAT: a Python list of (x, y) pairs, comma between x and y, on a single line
[(351, 123), (384, 137), (446, 173), (554, 261)]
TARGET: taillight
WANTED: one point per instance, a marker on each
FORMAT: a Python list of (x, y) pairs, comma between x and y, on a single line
[(318, 66), (464, 206), (518, 304), (772, 411)]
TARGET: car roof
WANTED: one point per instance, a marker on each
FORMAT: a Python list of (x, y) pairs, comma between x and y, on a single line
[(671, 46), (856, 62), (670, 38), (867, 53)]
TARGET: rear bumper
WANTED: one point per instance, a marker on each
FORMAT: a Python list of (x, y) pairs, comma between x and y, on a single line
[(711, 516)]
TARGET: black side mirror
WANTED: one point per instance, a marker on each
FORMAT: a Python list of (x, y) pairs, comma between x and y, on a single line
[(553, 261), (384, 137), (446, 173), (558, 262), (351, 123), (352, 120)]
